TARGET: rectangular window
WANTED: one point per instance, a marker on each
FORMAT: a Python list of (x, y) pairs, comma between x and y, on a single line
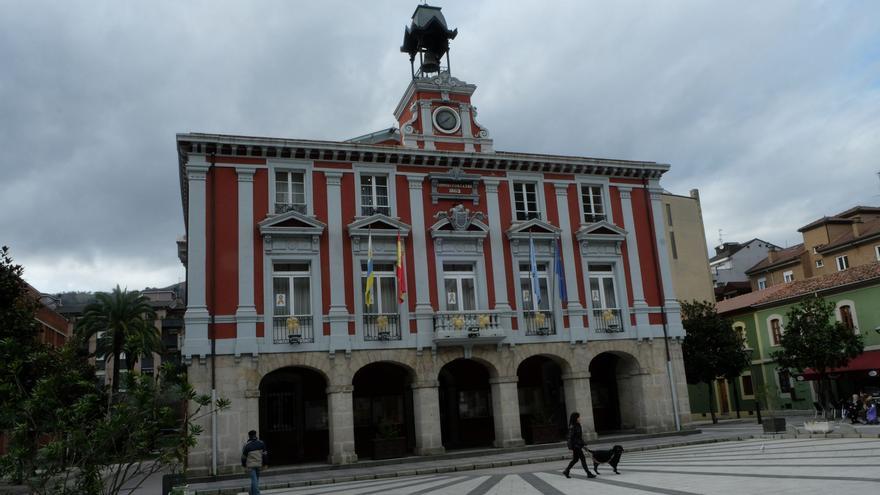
[(669, 214), (846, 317), (460, 287), (672, 245), (290, 191), (762, 283), (748, 389), (788, 276), (602, 293), (381, 320), (292, 302), (820, 263), (374, 195), (842, 263), (594, 207), (525, 280), (784, 382), (775, 331), (877, 252), (525, 200)]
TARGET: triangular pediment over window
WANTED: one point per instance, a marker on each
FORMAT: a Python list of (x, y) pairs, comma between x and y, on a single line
[(378, 225), (459, 222), (535, 229), (291, 223), (601, 231)]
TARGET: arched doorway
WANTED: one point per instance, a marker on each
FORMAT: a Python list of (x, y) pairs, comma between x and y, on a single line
[(465, 405), (383, 411), (293, 415), (616, 394), (541, 400)]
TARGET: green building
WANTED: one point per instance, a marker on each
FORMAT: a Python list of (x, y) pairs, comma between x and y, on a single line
[(761, 317)]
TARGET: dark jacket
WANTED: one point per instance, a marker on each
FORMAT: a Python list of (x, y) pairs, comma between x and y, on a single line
[(253, 455), (575, 437)]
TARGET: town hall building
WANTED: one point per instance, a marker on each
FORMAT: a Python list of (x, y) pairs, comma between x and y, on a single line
[(414, 290)]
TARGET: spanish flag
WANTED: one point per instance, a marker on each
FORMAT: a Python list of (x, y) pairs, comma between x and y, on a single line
[(401, 271), (368, 292)]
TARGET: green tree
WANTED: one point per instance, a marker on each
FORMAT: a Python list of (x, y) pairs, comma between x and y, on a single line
[(122, 322), (814, 339), (711, 347)]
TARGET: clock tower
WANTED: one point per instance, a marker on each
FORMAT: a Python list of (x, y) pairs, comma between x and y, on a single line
[(435, 112)]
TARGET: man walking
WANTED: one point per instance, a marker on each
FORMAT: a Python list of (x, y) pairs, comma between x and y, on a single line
[(253, 458)]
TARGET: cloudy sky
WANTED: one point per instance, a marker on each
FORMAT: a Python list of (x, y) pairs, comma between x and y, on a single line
[(771, 109)]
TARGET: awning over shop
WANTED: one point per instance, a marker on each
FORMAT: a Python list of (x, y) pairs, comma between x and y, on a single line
[(864, 362)]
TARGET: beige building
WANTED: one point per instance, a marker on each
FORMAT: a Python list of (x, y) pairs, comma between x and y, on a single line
[(830, 244), (686, 246)]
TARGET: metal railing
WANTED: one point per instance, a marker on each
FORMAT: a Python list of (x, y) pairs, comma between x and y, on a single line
[(607, 320), (285, 207), (538, 323), (294, 329), (382, 326), (469, 323)]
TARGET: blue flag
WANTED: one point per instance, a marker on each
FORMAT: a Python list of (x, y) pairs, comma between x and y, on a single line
[(560, 275), (536, 285)]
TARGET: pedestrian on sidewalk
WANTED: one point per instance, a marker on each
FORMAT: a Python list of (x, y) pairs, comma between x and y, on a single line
[(576, 444), (253, 458)]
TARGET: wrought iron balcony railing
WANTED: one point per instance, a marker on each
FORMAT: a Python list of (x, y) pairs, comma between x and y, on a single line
[(467, 323), (538, 323), (293, 329), (382, 326), (607, 320), (285, 207)]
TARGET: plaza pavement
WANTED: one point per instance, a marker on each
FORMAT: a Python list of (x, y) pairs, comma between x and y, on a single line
[(503, 467)]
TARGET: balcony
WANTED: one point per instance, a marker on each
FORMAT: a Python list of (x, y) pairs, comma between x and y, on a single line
[(467, 327), (294, 329), (607, 320), (538, 323), (382, 326)]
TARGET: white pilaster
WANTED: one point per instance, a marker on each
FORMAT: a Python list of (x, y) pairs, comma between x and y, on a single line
[(246, 313), (424, 311), (338, 316), (670, 303), (640, 306), (496, 245), (427, 124), (464, 112), (575, 308), (196, 341)]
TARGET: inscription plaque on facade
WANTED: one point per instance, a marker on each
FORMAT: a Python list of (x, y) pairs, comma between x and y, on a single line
[(455, 184)]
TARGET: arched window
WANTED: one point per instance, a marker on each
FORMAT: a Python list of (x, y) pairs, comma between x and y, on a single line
[(846, 317)]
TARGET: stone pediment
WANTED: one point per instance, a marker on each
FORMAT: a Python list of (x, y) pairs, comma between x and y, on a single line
[(292, 223), (534, 228), (459, 222), (601, 231), (378, 225)]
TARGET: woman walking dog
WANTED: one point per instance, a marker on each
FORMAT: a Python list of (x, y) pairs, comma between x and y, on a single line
[(576, 444)]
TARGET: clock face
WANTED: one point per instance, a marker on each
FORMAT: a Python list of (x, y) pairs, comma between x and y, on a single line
[(446, 120)]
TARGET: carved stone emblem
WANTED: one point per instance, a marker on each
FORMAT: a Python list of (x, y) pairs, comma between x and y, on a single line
[(460, 217)]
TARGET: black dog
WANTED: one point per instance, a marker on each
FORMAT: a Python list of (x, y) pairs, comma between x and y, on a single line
[(612, 457)]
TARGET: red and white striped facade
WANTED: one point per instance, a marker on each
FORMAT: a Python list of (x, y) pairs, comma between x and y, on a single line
[(464, 212)]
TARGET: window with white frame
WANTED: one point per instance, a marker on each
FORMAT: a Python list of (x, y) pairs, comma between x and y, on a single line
[(384, 289), (593, 203), (374, 194), (788, 276), (525, 283), (291, 301), (460, 287), (741, 331), (525, 200), (602, 291), (846, 316), (820, 263), (842, 263), (762, 283), (877, 252), (290, 191)]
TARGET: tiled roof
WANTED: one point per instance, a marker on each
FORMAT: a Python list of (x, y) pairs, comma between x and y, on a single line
[(849, 276), (783, 257), (866, 231), (823, 221), (746, 300)]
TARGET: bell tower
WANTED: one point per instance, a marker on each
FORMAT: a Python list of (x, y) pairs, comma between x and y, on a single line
[(435, 112)]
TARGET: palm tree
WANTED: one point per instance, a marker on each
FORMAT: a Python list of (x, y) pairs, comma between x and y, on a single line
[(122, 322)]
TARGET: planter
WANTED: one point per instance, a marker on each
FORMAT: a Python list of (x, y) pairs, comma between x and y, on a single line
[(774, 425), (545, 433), (819, 426), (389, 448)]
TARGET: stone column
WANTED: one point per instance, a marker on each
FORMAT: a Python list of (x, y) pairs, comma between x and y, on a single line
[(496, 244), (196, 341), (578, 398), (670, 303), (505, 410), (338, 316), (575, 309), (640, 306), (341, 411), (246, 313), (424, 310), (426, 416)]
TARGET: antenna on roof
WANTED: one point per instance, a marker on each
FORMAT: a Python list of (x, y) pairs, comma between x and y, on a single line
[(720, 237)]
